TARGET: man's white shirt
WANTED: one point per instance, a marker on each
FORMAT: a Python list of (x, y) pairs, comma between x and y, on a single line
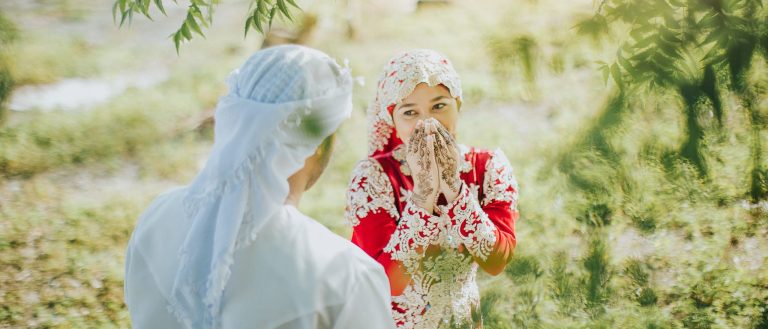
[(295, 274)]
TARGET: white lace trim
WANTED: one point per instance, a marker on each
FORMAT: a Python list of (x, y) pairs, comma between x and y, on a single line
[(464, 165), (452, 290), (499, 183), (443, 287), (416, 230), (379, 129), (470, 226), (370, 191), (413, 301)]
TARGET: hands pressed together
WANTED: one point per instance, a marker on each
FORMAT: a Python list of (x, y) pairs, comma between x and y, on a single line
[(433, 158)]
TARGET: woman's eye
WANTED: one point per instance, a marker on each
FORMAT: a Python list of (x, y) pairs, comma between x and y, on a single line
[(439, 106), (409, 113)]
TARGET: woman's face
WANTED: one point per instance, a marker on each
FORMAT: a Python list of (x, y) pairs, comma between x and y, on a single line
[(423, 103)]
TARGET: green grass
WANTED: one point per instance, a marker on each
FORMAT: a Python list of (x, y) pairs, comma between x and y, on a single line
[(634, 239)]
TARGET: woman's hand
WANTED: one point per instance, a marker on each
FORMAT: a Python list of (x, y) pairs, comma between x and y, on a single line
[(420, 157), (447, 156)]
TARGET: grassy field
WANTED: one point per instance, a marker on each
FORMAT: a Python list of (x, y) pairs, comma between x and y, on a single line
[(639, 241)]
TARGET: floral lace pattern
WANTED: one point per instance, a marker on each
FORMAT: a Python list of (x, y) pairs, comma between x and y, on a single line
[(499, 183), (448, 279), (470, 226), (452, 290), (464, 165), (417, 230), (443, 292), (369, 192), (439, 252), (409, 306)]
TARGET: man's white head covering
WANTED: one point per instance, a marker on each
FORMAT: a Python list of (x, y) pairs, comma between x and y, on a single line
[(281, 104)]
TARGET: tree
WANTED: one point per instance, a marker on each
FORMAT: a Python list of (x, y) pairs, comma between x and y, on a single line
[(199, 16), (698, 49)]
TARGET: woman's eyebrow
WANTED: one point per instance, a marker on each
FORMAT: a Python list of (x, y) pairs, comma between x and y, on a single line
[(407, 105), (438, 98)]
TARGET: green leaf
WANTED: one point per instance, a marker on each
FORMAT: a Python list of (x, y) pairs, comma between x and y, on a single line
[(125, 16), (643, 43), (257, 22), (248, 25), (193, 24), (261, 8), (616, 74), (115, 8), (669, 36), (195, 10), (177, 40), (606, 72), (283, 9), (714, 56), (670, 50), (711, 19), (625, 64), (272, 14), (144, 7), (159, 4), (186, 32)]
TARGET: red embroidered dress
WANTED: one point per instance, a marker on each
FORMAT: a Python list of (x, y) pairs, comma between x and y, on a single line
[(439, 254)]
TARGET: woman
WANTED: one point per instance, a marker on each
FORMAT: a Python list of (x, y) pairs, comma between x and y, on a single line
[(429, 210)]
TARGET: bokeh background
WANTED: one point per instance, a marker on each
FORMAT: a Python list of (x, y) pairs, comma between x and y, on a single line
[(636, 129)]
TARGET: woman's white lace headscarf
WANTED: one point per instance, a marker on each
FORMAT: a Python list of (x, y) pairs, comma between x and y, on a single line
[(399, 78), (281, 104)]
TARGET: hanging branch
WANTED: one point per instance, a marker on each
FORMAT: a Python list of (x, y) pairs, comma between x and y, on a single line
[(261, 14)]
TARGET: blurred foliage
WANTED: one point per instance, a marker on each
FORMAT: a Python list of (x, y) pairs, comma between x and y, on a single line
[(8, 30), (261, 14), (8, 34), (699, 49), (127, 126), (598, 272), (511, 54)]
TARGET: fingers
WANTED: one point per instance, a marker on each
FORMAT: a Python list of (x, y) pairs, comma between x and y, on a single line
[(430, 147), (416, 137), (431, 124), (441, 147), (435, 127), (442, 131)]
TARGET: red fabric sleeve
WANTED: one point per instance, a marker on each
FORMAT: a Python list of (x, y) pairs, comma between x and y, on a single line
[(371, 211), (503, 217), (487, 229), (372, 234)]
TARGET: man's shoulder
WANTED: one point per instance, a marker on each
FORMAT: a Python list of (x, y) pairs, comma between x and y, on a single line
[(337, 254), (162, 203), (156, 226)]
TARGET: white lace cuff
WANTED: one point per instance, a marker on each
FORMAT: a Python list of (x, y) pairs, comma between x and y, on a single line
[(470, 225), (416, 231)]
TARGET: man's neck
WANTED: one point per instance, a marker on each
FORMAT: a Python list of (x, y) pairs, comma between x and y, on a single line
[(293, 198)]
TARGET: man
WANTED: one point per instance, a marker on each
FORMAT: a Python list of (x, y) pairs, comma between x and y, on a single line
[(231, 250)]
